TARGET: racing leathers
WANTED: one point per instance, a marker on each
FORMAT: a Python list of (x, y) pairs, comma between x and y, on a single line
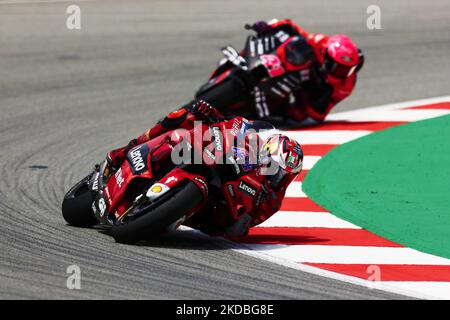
[(214, 219), (298, 88)]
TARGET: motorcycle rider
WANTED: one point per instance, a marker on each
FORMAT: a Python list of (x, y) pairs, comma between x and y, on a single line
[(215, 220), (318, 71)]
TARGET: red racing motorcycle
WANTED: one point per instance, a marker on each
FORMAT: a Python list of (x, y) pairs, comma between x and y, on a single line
[(234, 87), (151, 193)]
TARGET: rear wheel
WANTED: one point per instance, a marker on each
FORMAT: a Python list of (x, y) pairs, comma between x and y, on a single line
[(171, 207), (77, 205)]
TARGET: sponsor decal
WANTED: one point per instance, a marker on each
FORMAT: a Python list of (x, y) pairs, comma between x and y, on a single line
[(242, 158), (218, 141), (102, 207), (282, 36), (298, 150), (210, 154), (137, 158), (231, 190), (236, 167), (204, 184), (119, 178), (246, 188), (95, 182), (157, 190), (272, 64), (236, 127), (108, 195), (293, 162), (170, 179)]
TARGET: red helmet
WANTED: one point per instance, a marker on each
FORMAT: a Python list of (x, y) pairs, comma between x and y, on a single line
[(340, 57)]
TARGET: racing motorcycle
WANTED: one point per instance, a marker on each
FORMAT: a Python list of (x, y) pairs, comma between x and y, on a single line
[(234, 87), (151, 193)]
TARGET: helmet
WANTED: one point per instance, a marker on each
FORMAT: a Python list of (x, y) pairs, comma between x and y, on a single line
[(286, 157), (340, 57)]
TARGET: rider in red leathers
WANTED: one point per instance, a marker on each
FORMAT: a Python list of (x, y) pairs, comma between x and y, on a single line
[(318, 71), (215, 220)]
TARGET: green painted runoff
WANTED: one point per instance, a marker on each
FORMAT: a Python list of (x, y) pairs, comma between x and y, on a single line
[(395, 183)]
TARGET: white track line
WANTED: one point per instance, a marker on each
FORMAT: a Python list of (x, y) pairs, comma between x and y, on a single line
[(393, 115), (302, 219), (294, 190), (350, 254), (440, 290), (382, 109), (310, 161), (386, 286), (325, 136)]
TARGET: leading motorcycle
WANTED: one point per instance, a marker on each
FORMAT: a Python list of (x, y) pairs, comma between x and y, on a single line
[(151, 193)]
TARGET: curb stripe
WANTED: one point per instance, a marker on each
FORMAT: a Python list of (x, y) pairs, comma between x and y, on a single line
[(317, 149), (349, 254), (294, 190), (301, 176), (316, 236), (303, 219), (350, 125), (436, 290), (310, 161), (403, 115), (441, 106), (391, 272), (304, 204), (325, 137)]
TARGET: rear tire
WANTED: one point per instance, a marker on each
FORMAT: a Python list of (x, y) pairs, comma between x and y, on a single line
[(158, 219), (77, 206)]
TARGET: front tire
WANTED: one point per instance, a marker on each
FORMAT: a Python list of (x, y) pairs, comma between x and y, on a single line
[(154, 222), (77, 205)]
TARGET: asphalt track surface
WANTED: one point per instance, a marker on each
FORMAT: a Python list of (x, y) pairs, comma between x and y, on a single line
[(66, 97)]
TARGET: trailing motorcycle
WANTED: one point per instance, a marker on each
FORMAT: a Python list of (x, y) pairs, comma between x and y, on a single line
[(236, 86)]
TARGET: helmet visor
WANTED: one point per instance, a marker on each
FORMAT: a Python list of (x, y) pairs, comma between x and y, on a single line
[(336, 69)]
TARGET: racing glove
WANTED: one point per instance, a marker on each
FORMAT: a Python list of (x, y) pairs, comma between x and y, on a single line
[(259, 26), (204, 111)]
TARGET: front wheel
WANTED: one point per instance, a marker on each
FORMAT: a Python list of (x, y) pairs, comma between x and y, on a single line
[(77, 205), (160, 215)]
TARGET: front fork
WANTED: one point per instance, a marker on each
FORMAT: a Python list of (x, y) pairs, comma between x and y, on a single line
[(169, 181), (174, 178), (96, 184)]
